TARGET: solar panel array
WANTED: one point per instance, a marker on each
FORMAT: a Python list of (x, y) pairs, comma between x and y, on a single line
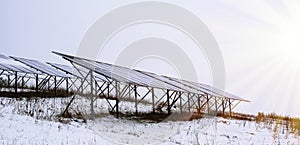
[(142, 78), (41, 67), (121, 74)]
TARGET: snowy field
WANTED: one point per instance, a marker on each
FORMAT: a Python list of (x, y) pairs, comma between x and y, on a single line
[(19, 128)]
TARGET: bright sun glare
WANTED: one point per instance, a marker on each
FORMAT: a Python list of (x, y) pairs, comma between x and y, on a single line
[(288, 45), (277, 42)]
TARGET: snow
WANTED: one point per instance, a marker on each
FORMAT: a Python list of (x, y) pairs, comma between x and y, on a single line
[(18, 128)]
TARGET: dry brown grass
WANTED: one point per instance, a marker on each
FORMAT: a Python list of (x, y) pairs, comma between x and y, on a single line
[(292, 124)]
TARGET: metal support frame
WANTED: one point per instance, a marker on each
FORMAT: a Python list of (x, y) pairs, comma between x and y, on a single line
[(110, 88)]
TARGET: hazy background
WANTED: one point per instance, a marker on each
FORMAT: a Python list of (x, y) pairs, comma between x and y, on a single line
[(258, 40)]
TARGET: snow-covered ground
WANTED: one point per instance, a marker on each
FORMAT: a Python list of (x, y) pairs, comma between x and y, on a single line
[(18, 128)]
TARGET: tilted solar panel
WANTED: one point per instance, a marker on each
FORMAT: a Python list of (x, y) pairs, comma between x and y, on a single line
[(143, 78), (136, 75), (71, 70), (224, 93), (108, 71), (126, 77), (22, 71), (29, 70), (40, 66), (185, 83), (3, 56), (168, 82), (124, 74), (4, 67), (65, 68), (9, 67)]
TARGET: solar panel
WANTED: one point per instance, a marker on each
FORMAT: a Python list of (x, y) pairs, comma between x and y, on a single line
[(3, 56), (3, 67), (9, 67), (107, 71), (65, 68), (71, 70), (104, 72), (123, 74), (138, 76), (41, 67), (113, 72), (216, 90), (28, 70), (185, 83), (224, 93), (174, 84)]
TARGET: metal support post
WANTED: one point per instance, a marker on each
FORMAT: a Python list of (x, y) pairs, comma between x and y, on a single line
[(135, 100), (189, 103), (55, 85), (153, 101), (168, 101), (92, 99), (207, 103), (223, 106), (37, 83), (67, 85), (16, 82), (216, 104), (180, 102), (230, 105), (117, 100)]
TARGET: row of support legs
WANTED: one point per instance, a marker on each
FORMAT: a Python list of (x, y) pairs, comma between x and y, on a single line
[(185, 101), (182, 99), (20, 81)]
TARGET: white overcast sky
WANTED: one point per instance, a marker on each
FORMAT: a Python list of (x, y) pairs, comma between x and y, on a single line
[(257, 38)]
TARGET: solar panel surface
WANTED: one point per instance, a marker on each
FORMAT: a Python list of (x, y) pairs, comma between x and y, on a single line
[(41, 67), (71, 70), (143, 78)]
